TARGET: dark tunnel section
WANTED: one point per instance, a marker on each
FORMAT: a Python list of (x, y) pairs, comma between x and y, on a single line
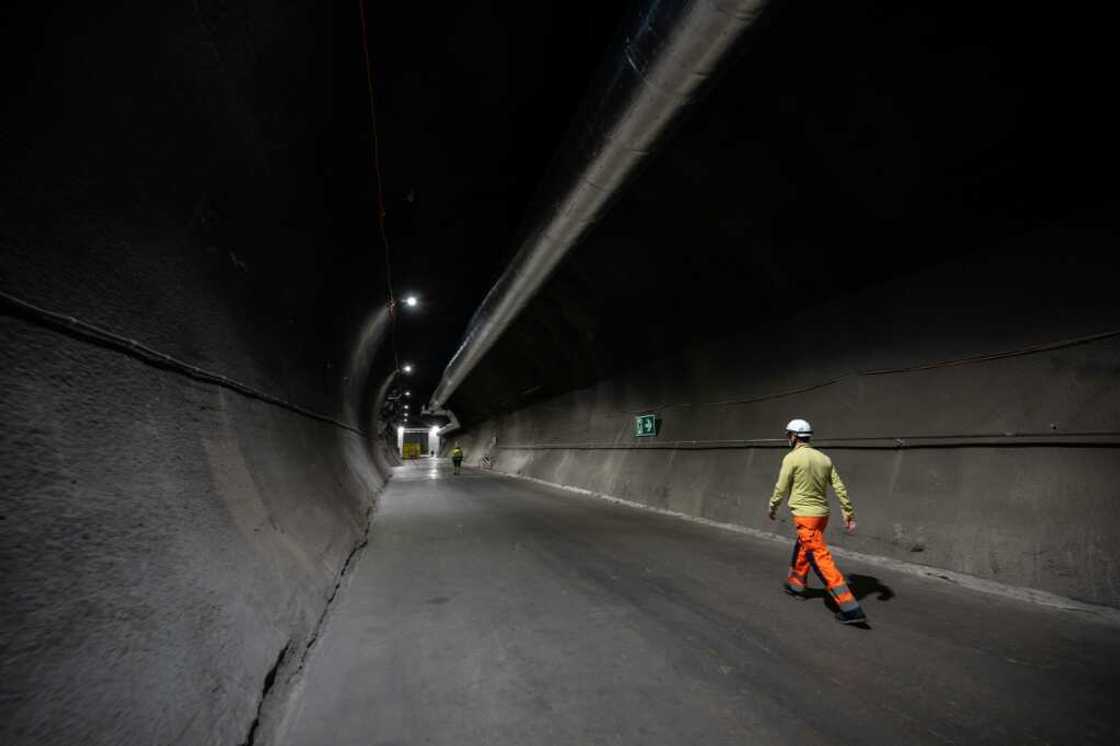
[(196, 365), (845, 147), (182, 180), (896, 222)]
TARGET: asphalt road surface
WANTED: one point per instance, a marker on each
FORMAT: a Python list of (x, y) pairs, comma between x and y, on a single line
[(490, 610)]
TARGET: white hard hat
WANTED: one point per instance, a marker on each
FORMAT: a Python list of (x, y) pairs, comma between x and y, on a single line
[(799, 427)]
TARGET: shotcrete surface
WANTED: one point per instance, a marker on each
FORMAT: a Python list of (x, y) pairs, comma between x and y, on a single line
[(165, 544), (489, 610)]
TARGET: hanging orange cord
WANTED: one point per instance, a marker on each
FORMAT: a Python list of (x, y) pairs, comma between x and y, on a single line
[(375, 155)]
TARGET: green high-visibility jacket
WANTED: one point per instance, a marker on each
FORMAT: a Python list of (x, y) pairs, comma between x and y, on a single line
[(805, 476)]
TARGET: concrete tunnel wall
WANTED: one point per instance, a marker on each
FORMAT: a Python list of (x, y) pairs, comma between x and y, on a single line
[(1033, 516), (169, 545), (184, 175)]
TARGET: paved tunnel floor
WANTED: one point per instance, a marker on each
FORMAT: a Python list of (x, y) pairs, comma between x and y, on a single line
[(487, 610)]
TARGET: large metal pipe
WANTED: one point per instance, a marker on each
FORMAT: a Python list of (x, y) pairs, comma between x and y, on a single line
[(669, 50)]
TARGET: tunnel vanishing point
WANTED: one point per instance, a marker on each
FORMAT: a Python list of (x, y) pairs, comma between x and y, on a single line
[(263, 266)]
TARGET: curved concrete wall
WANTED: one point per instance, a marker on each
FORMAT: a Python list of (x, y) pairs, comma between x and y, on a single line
[(169, 545), (165, 545), (1028, 515)]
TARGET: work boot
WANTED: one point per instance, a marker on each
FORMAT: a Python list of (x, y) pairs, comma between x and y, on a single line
[(798, 594), (855, 616)]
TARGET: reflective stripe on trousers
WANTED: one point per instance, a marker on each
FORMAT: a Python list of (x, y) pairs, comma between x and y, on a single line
[(810, 551)]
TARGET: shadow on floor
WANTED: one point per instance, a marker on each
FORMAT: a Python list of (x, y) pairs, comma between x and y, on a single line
[(861, 587)]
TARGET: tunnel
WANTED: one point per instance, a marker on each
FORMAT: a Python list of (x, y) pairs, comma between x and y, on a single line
[(267, 269)]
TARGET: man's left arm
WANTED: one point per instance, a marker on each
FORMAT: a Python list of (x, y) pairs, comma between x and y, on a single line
[(842, 495)]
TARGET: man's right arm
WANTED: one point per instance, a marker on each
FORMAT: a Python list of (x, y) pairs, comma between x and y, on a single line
[(783, 486)]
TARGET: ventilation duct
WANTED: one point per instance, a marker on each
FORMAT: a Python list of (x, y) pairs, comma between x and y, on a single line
[(669, 50)]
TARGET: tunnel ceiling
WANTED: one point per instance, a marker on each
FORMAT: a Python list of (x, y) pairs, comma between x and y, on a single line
[(846, 145), (249, 125), (472, 102)]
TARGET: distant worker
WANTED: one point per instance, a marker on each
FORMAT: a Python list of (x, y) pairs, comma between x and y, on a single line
[(457, 457), (805, 476)]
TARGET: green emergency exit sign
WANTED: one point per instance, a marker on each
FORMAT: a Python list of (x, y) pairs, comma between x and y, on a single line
[(645, 425)]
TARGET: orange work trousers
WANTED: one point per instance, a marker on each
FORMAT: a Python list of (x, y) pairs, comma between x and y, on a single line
[(810, 551)]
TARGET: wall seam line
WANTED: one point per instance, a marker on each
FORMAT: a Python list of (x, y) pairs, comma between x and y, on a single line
[(91, 334)]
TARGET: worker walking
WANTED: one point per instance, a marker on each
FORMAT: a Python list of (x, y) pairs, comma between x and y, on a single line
[(805, 476), (457, 457)]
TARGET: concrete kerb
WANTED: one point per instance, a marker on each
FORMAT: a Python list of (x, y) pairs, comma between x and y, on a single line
[(1042, 598)]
